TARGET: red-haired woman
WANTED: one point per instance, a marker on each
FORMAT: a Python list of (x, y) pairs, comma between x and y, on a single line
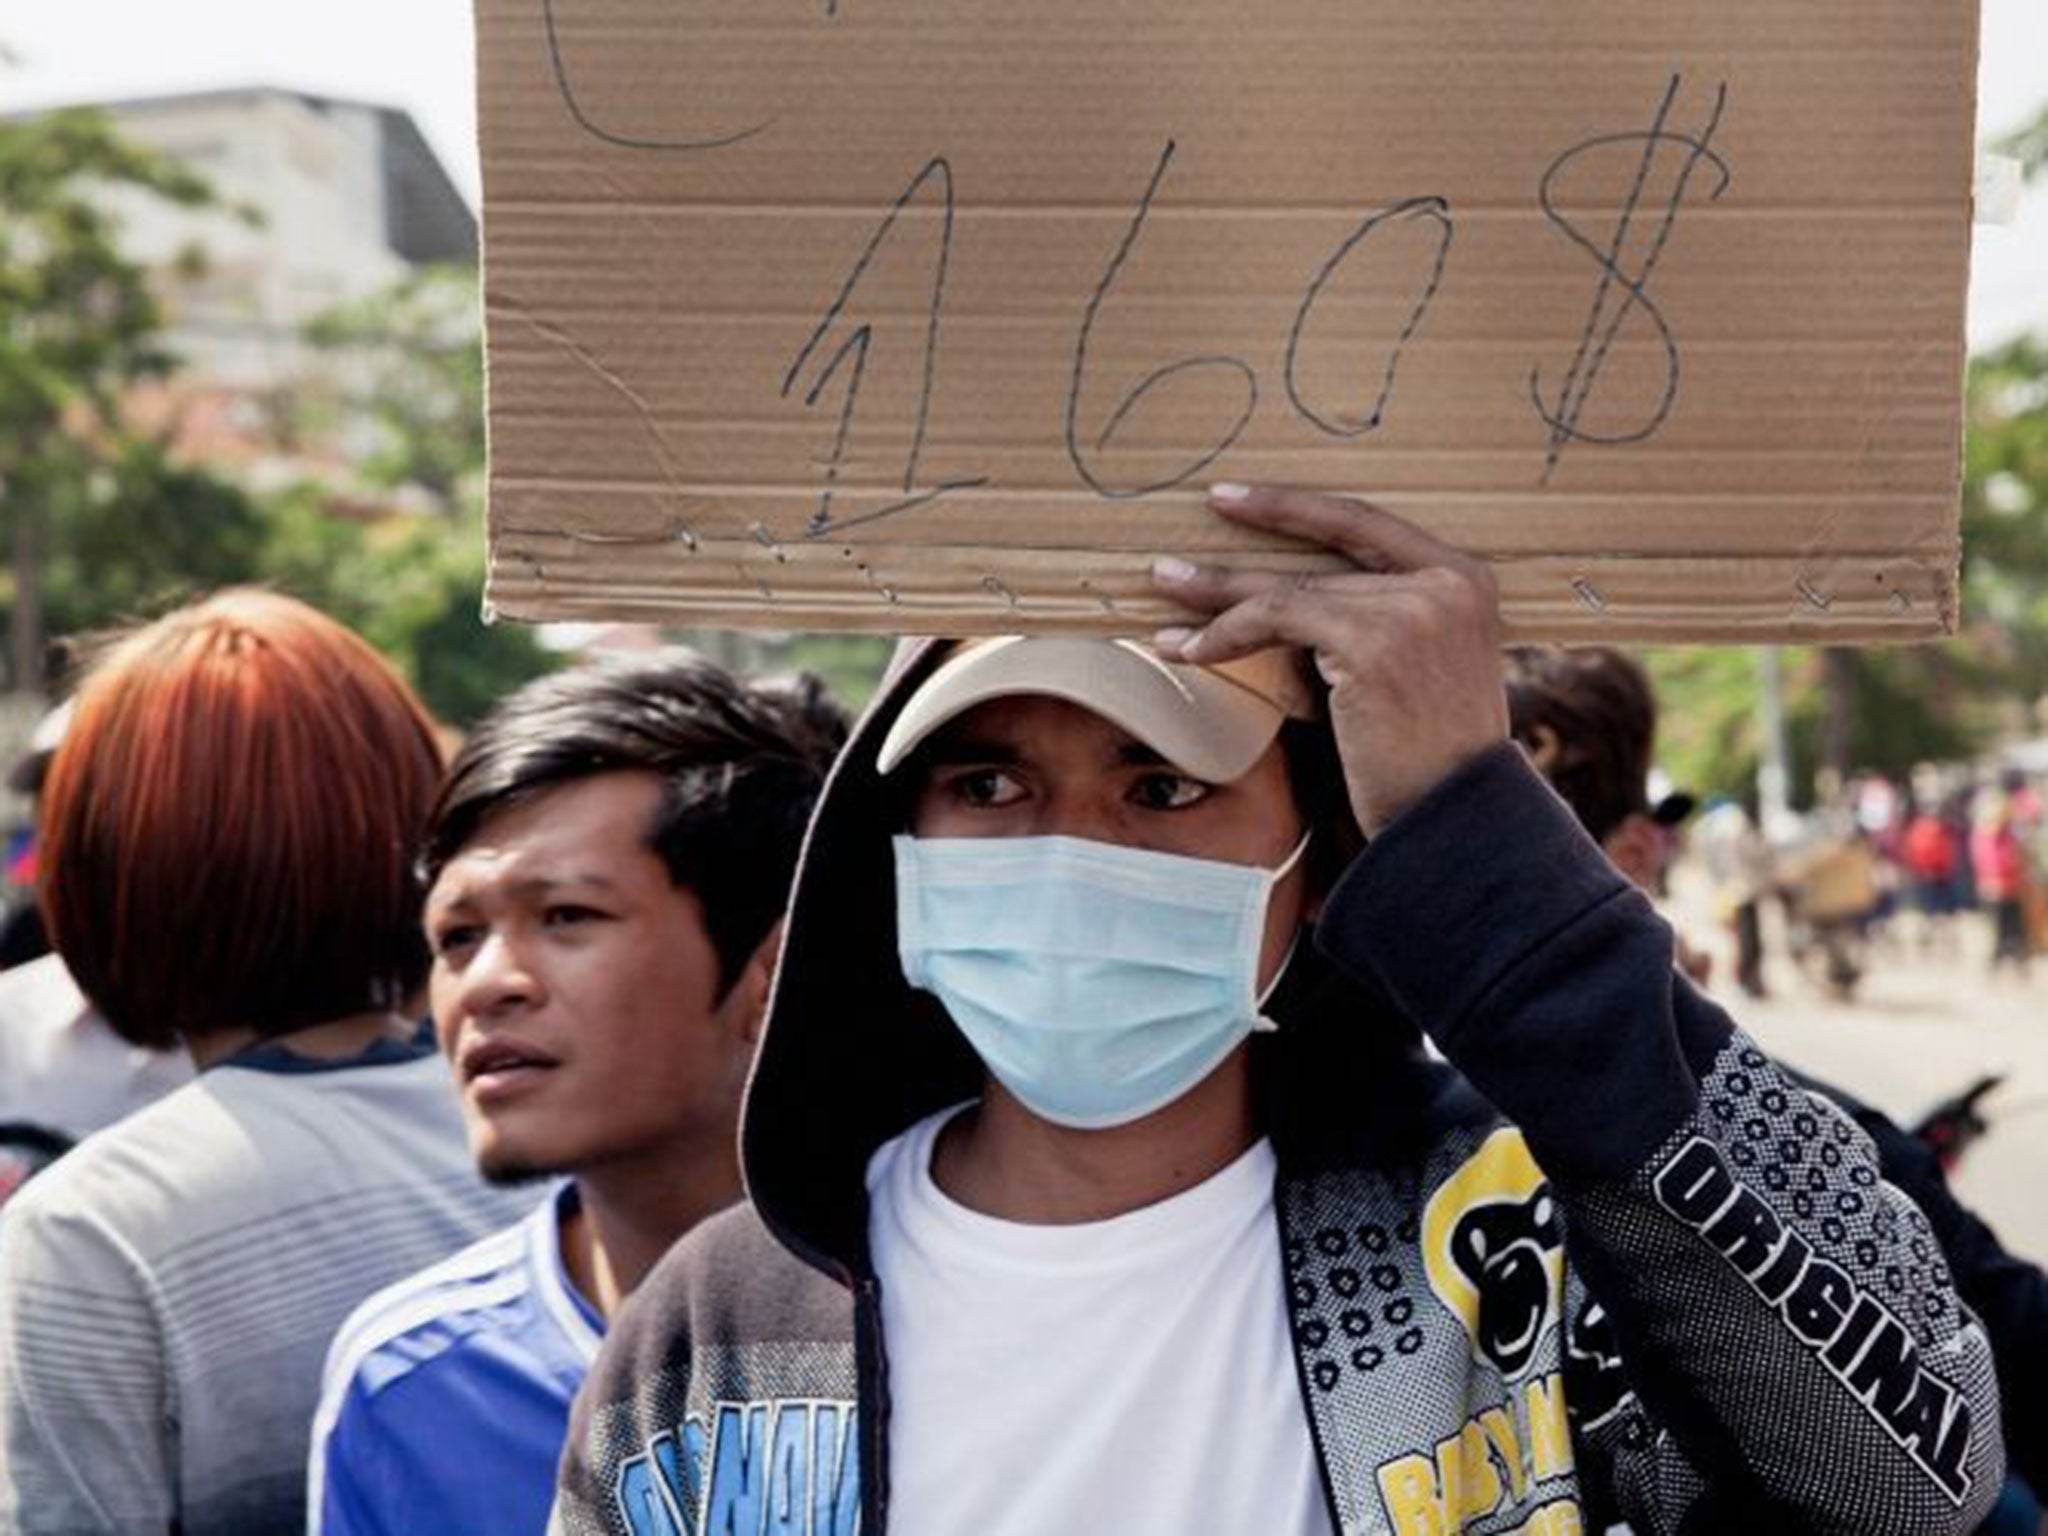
[(228, 832)]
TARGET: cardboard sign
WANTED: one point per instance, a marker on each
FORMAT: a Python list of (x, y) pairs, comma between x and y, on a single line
[(940, 315)]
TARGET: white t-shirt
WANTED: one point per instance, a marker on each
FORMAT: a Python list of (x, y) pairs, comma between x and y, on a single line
[(1129, 1377)]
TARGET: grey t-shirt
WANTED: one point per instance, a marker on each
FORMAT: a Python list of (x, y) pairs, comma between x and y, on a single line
[(168, 1289)]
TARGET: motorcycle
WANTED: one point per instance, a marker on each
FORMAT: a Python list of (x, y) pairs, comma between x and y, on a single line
[(1956, 1123)]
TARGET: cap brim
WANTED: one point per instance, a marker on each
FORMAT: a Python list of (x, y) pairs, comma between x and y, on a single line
[(1200, 720)]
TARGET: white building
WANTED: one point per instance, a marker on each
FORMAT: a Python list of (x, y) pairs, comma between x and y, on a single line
[(345, 197)]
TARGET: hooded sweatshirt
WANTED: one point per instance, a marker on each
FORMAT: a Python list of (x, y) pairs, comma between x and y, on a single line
[(1614, 1264)]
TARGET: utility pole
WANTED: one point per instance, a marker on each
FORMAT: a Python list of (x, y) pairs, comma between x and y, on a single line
[(1774, 756)]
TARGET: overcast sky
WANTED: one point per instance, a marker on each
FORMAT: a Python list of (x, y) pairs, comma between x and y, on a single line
[(416, 54)]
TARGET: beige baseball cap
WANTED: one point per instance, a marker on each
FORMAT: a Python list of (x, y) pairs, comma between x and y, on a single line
[(1213, 722)]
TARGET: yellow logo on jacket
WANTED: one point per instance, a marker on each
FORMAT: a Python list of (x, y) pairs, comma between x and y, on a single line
[(1495, 1257)]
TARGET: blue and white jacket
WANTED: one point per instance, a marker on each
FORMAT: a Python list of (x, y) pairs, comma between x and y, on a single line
[(446, 1396)]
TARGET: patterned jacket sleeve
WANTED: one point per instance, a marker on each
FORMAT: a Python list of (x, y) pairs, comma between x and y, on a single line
[(2008, 1294), (1789, 1338)]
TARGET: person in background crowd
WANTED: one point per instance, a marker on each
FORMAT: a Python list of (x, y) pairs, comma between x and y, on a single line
[(1591, 710), (229, 829), (1955, 813), (2024, 804), (1587, 719), (63, 1072), (1091, 1191), (1999, 860), (21, 930), (1750, 877), (1929, 853), (609, 859), (1740, 870)]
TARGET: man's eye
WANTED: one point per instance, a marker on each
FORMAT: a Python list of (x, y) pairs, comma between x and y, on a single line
[(453, 939), (569, 916), (1168, 791), (985, 788)]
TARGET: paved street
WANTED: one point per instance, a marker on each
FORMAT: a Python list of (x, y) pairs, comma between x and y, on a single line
[(1920, 1028)]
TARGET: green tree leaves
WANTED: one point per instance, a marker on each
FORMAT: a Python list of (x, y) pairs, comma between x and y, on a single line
[(79, 328), (103, 524)]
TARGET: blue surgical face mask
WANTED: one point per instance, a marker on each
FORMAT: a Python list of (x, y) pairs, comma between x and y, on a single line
[(1098, 983)]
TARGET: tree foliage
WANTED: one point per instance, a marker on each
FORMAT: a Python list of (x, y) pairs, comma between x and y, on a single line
[(79, 329), (81, 323), (408, 361), (413, 587), (104, 526), (139, 532), (2005, 512), (1893, 708), (2028, 145)]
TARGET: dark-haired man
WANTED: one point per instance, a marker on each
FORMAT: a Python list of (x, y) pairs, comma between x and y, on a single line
[(1089, 1192), (608, 861)]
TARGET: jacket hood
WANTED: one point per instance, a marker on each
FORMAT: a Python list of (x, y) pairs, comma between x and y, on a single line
[(850, 1055)]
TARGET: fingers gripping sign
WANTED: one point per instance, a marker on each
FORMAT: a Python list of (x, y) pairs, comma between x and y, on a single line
[(1408, 638)]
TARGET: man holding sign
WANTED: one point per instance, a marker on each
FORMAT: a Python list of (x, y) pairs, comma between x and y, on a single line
[(1100, 1182)]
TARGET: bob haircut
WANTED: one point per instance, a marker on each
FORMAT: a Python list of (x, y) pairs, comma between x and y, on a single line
[(229, 825)]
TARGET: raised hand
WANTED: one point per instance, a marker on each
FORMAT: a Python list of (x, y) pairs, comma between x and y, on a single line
[(1408, 639)]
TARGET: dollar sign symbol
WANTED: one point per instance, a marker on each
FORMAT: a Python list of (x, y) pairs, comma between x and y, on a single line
[(1620, 295)]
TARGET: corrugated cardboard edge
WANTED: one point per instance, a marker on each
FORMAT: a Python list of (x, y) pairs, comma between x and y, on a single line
[(1842, 599)]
